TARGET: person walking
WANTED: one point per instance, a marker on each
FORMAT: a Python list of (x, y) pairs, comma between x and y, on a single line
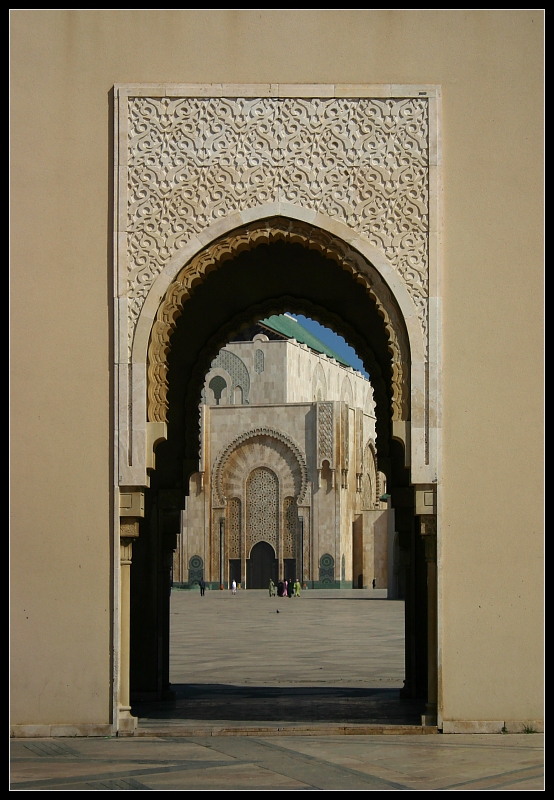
[(202, 587), (271, 588), (297, 588), (234, 587)]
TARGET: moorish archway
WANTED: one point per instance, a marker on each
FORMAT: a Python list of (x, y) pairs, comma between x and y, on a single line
[(192, 275)]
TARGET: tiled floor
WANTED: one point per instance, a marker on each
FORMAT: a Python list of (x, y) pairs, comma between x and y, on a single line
[(442, 762)]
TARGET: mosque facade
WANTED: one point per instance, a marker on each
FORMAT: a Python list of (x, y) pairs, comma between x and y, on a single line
[(289, 485)]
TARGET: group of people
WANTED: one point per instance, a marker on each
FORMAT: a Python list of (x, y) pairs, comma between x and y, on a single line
[(285, 588)]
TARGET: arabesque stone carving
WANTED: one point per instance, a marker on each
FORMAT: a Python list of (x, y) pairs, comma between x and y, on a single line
[(194, 160)]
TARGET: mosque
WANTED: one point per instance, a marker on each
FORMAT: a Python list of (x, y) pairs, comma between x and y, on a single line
[(289, 484)]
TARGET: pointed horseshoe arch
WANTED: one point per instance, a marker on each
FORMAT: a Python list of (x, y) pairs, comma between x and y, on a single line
[(252, 236), (219, 497)]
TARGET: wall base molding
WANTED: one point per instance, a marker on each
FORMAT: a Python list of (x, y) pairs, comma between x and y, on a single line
[(53, 731), (493, 726)]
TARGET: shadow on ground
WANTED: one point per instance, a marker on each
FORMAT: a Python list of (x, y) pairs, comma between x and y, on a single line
[(203, 702)]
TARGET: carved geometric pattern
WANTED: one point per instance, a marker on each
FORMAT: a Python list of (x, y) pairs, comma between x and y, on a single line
[(128, 530), (326, 568), (262, 498), (259, 361), (345, 434), (234, 524), (250, 236), (236, 368), (278, 444), (325, 433), (290, 527), (192, 161)]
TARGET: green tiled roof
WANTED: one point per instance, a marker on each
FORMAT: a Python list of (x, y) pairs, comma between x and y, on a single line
[(292, 329)]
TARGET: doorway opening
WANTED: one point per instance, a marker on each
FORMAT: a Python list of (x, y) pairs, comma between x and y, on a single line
[(257, 283), (261, 567)]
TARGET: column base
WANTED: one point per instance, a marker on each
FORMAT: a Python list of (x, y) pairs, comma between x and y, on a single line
[(127, 723)]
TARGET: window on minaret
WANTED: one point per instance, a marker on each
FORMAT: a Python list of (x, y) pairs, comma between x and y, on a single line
[(217, 385)]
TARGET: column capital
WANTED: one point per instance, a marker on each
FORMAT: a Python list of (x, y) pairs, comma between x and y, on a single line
[(128, 532)]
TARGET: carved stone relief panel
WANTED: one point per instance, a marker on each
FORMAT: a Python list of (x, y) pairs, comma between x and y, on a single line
[(191, 161), (262, 508), (234, 526), (259, 361), (290, 520), (325, 437)]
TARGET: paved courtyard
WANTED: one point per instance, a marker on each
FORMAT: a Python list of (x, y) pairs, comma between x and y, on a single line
[(333, 657), (340, 638), (267, 700)]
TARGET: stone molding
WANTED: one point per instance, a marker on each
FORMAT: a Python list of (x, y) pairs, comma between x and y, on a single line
[(66, 730), (219, 499), (246, 238)]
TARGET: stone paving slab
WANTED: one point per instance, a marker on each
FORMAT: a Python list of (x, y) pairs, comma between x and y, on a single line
[(446, 762)]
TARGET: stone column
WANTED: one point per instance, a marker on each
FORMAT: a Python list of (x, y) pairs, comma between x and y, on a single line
[(221, 552), (128, 531), (429, 533), (300, 561)]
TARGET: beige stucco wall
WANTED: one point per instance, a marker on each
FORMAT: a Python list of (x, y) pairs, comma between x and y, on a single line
[(64, 64)]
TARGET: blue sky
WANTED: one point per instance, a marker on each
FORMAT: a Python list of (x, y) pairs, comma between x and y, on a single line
[(333, 340)]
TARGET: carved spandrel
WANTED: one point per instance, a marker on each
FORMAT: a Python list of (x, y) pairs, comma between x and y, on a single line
[(193, 161)]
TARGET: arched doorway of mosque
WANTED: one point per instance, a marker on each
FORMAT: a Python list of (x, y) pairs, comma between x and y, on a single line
[(261, 566)]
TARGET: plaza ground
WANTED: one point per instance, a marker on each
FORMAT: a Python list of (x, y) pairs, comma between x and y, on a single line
[(267, 700)]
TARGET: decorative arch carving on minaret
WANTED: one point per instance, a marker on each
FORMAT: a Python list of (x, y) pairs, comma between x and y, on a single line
[(219, 498)]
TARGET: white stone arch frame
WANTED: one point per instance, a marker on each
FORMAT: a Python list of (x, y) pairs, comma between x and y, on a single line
[(423, 373), (134, 436)]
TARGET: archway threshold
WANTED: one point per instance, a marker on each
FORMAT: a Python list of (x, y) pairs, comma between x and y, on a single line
[(180, 729), (197, 710)]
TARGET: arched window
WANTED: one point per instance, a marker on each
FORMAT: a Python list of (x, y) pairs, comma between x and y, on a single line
[(218, 385)]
